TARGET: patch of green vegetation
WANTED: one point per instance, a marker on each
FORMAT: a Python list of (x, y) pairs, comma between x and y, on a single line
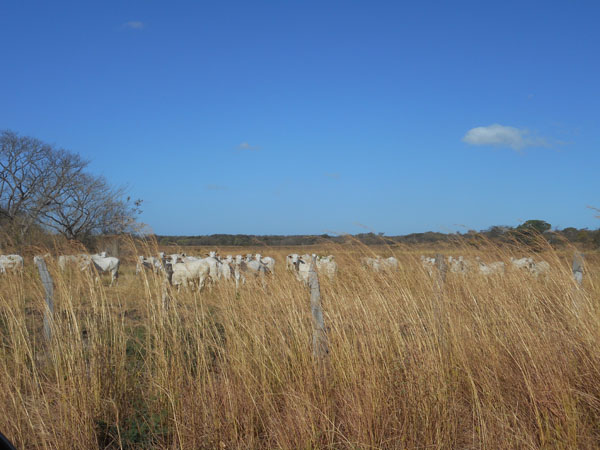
[(140, 429), (135, 348)]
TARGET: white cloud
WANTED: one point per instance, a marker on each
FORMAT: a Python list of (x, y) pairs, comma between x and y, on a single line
[(134, 25), (246, 146), (503, 136)]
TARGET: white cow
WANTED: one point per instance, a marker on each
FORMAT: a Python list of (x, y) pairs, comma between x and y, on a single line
[(82, 261), (213, 262), (327, 266), (104, 263), (428, 264), (540, 268), (13, 263), (99, 261), (174, 258), (379, 264), (390, 263), (243, 267), (522, 263), (491, 268), (305, 266), (300, 265), (252, 266), (194, 272), (289, 261), (458, 265), (534, 268), (371, 263), (150, 262), (267, 261), (226, 267)]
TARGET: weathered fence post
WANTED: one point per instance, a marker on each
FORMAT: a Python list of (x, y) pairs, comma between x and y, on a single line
[(49, 288), (578, 267), (167, 281), (578, 295), (320, 345), (439, 306), (442, 268)]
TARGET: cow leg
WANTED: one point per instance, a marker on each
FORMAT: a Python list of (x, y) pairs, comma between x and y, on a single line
[(201, 281)]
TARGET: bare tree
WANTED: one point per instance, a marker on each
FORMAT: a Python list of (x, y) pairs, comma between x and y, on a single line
[(49, 187), (32, 174), (88, 206)]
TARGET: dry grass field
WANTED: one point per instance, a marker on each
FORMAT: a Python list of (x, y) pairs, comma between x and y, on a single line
[(505, 361)]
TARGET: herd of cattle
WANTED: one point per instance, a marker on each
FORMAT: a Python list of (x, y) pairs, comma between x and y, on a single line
[(461, 265), (183, 270), (83, 261)]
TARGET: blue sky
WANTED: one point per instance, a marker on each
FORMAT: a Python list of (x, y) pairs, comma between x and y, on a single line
[(312, 117)]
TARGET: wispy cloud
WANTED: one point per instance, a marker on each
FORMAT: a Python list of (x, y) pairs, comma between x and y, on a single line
[(246, 146), (503, 136), (134, 25), (333, 176), (215, 187)]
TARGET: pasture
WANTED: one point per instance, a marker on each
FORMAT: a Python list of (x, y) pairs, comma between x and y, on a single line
[(500, 361)]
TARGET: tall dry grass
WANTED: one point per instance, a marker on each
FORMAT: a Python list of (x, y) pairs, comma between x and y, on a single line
[(490, 362)]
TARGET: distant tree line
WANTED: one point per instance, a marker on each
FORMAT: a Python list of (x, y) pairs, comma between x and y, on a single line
[(531, 233), (44, 189)]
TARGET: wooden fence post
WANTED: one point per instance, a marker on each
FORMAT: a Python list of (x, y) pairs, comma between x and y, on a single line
[(578, 296), (49, 288), (578, 267), (442, 268), (439, 305), (320, 345), (166, 282)]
